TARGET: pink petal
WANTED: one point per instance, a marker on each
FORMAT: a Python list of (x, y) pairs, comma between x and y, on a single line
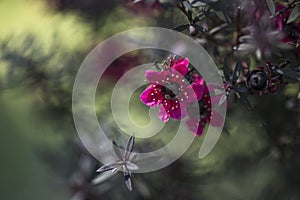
[(192, 93), (217, 119), (195, 127), (182, 66), (177, 111), (198, 79), (150, 98), (154, 76), (215, 100), (198, 90), (193, 110), (163, 114)]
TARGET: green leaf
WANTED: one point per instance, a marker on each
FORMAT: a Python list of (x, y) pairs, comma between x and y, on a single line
[(223, 16), (271, 6), (222, 99), (129, 146), (244, 100), (107, 167), (187, 6), (181, 27), (294, 14), (241, 89), (288, 73), (226, 69), (101, 178), (237, 71), (128, 181)]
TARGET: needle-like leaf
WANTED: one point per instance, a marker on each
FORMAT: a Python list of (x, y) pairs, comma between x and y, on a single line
[(223, 99), (237, 71), (129, 146), (241, 89), (181, 27), (107, 167), (244, 100), (297, 68), (226, 69), (271, 6), (127, 179), (103, 177), (294, 14), (288, 73)]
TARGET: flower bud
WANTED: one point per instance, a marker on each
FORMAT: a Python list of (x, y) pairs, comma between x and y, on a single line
[(193, 30), (258, 80)]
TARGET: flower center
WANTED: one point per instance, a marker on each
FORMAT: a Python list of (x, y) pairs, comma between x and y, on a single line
[(171, 90)]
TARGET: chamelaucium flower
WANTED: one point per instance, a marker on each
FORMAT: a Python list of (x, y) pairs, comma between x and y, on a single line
[(180, 90), (170, 89)]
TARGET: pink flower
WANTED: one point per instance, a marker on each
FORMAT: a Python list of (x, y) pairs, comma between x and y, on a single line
[(201, 114), (170, 89)]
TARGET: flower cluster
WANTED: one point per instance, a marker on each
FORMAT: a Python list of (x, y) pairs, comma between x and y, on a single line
[(179, 90)]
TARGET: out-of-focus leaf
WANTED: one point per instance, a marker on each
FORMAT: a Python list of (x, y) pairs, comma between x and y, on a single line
[(297, 68), (101, 178), (243, 47), (143, 188), (283, 63), (217, 29), (271, 6), (294, 14), (226, 69), (246, 39), (136, 1), (244, 100), (288, 73), (283, 46), (223, 16), (128, 182), (168, 3), (129, 146), (241, 89), (237, 71), (187, 6), (200, 2), (223, 99), (181, 27), (220, 15)]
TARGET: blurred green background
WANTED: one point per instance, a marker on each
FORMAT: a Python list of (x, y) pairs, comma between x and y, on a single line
[(42, 44)]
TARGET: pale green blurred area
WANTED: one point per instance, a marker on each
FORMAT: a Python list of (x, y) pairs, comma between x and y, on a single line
[(32, 31), (23, 176), (37, 133)]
